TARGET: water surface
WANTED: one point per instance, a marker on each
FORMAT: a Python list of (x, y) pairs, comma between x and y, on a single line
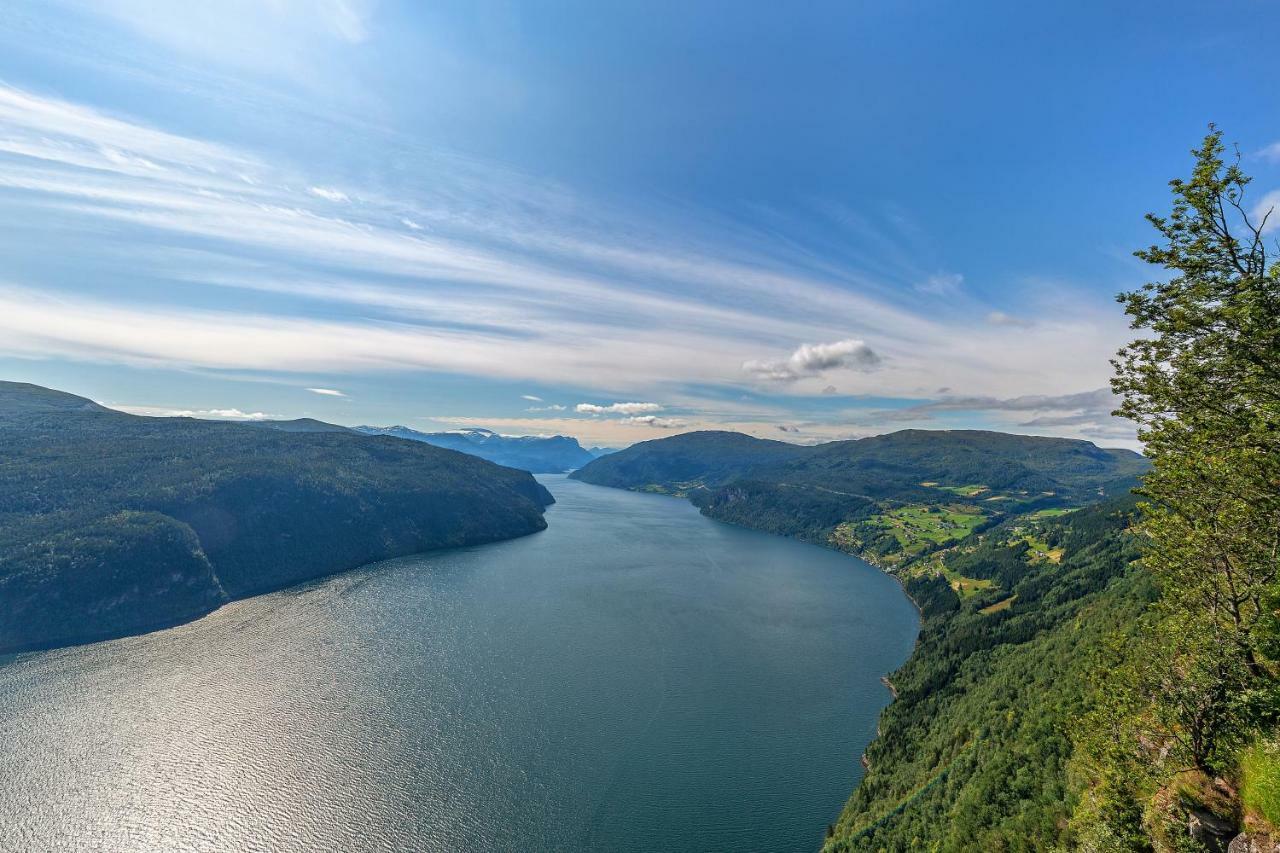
[(636, 677)]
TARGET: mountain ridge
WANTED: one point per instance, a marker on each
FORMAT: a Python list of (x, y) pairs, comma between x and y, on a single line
[(112, 523), (554, 454)]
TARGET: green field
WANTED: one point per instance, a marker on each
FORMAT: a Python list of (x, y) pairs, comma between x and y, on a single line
[(967, 587), (1040, 549), (999, 605), (917, 527), (1051, 513), (972, 490)]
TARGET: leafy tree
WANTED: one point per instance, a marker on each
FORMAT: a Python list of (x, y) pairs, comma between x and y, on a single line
[(1203, 384)]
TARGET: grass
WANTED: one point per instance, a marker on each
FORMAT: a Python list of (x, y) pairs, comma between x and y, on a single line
[(678, 490), (1260, 785), (1051, 513), (844, 538), (969, 491), (999, 605), (1040, 549), (916, 527), (964, 587), (968, 587)]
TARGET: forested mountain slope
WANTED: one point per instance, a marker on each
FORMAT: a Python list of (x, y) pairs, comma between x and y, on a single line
[(1014, 547), (890, 498), (112, 523), (976, 749)]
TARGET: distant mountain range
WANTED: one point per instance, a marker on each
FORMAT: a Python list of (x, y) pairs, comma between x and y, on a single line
[(112, 524), (554, 454)]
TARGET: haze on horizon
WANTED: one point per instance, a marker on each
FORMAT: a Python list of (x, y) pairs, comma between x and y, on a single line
[(613, 223)]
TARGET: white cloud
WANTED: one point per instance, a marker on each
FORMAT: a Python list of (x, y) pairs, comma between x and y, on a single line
[(999, 318), (328, 194), (814, 359), (531, 398), (327, 392), (543, 293), (289, 37), (1085, 414), (554, 407), (941, 284), (1268, 208), (617, 408), (1271, 152), (410, 224), (203, 414), (656, 421)]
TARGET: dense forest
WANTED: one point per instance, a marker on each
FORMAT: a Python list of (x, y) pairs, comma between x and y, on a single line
[(890, 498), (112, 523), (1096, 671)]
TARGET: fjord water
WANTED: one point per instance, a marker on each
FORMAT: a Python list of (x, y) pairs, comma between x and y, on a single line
[(636, 677)]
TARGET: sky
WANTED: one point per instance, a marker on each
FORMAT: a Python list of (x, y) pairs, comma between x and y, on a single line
[(616, 221)]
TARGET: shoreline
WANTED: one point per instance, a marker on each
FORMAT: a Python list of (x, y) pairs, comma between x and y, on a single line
[(8, 653)]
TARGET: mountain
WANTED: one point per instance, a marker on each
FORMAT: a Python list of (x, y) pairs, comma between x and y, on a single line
[(112, 524), (979, 751), (1015, 549), (539, 454), (890, 497), (19, 397), (299, 425)]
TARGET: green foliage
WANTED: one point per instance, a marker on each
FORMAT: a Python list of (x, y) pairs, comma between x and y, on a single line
[(1260, 779), (111, 523), (888, 498), (1203, 383), (919, 526), (977, 745)]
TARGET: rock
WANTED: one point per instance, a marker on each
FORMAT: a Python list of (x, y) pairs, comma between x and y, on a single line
[(1210, 830), (1253, 842)]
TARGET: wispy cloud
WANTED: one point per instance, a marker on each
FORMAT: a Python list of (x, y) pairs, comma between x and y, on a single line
[(1266, 214), (502, 280), (531, 398), (999, 318), (656, 421), (328, 194), (814, 360), (286, 37), (327, 392), (204, 414), (1085, 414), (941, 284), (616, 408)]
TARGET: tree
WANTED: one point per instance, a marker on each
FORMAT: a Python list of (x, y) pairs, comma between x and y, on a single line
[(1204, 386), (1199, 678)]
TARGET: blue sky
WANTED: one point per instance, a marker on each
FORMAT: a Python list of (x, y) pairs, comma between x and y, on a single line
[(616, 221)]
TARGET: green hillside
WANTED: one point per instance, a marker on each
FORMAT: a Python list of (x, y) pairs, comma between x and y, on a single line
[(111, 523), (1016, 551), (890, 498), (977, 746)]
